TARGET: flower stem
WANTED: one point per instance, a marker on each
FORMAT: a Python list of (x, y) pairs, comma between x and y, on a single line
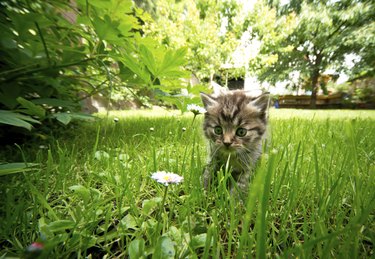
[(163, 201), (159, 217), (192, 123)]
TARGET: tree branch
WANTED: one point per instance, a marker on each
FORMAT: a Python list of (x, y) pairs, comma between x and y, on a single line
[(40, 69)]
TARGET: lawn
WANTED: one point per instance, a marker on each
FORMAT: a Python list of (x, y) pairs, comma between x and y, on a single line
[(91, 193)]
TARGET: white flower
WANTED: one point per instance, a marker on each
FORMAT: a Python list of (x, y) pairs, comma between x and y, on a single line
[(101, 155), (183, 129), (167, 178), (115, 119), (152, 129), (196, 109)]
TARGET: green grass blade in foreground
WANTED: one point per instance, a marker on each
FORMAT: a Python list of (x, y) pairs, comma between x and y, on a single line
[(12, 168), (257, 187), (261, 227)]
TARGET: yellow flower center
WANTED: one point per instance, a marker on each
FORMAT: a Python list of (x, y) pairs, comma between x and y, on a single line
[(167, 178)]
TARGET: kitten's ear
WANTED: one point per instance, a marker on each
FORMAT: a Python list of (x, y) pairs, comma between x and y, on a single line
[(218, 89), (208, 100), (262, 102)]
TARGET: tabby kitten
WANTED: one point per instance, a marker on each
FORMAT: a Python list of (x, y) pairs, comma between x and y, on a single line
[(234, 125)]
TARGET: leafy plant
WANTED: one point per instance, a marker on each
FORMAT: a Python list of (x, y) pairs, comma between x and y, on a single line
[(55, 54)]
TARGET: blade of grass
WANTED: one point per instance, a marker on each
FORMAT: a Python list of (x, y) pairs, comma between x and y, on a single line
[(262, 211)]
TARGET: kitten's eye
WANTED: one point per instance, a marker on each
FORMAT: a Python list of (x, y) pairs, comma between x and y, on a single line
[(241, 132), (218, 130)]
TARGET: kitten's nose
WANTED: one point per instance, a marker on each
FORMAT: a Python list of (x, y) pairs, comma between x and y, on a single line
[(227, 144)]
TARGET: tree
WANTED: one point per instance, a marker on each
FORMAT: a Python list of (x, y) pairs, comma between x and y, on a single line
[(209, 30), (310, 37)]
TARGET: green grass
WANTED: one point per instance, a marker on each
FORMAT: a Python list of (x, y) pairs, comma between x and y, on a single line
[(313, 194)]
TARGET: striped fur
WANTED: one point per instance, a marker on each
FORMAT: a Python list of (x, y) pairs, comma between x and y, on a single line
[(234, 125)]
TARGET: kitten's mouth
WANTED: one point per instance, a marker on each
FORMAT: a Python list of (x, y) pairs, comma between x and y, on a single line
[(228, 150)]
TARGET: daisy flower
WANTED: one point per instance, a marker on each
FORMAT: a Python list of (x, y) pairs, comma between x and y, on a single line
[(196, 109), (167, 178)]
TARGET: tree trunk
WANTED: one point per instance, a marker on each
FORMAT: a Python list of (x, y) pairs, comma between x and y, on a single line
[(315, 87), (315, 73)]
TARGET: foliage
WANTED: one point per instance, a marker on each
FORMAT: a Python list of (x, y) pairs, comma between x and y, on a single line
[(209, 29), (55, 54), (359, 91), (309, 38)]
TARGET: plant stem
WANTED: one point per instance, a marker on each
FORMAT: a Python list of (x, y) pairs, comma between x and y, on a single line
[(43, 42), (192, 123), (159, 217), (40, 69)]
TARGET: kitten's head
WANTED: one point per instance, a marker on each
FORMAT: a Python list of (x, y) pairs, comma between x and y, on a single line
[(235, 121)]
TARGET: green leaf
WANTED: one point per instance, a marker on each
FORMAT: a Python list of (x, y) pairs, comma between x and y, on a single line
[(172, 62), (149, 205), (137, 249), (164, 248), (81, 191), (106, 29), (82, 116), (101, 155), (199, 241), (135, 66), (148, 59), (16, 119), (31, 108), (8, 43), (129, 222), (60, 225), (8, 97), (63, 117), (110, 6), (121, 7), (126, 25), (12, 168), (55, 102)]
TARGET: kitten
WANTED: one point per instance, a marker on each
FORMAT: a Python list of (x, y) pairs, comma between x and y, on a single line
[(234, 125)]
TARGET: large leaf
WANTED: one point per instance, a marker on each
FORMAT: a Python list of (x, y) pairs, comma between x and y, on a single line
[(82, 116), (137, 248), (149, 206), (8, 96), (127, 24), (164, 248), (172, 62), (65, 118), (12, 168), (148, 59), (135, 66), (31, 108), (81, 191), (107, 29), (199, 241), (16, 119), (55, 102), (114, 7), (61, 225), (129, 222)]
